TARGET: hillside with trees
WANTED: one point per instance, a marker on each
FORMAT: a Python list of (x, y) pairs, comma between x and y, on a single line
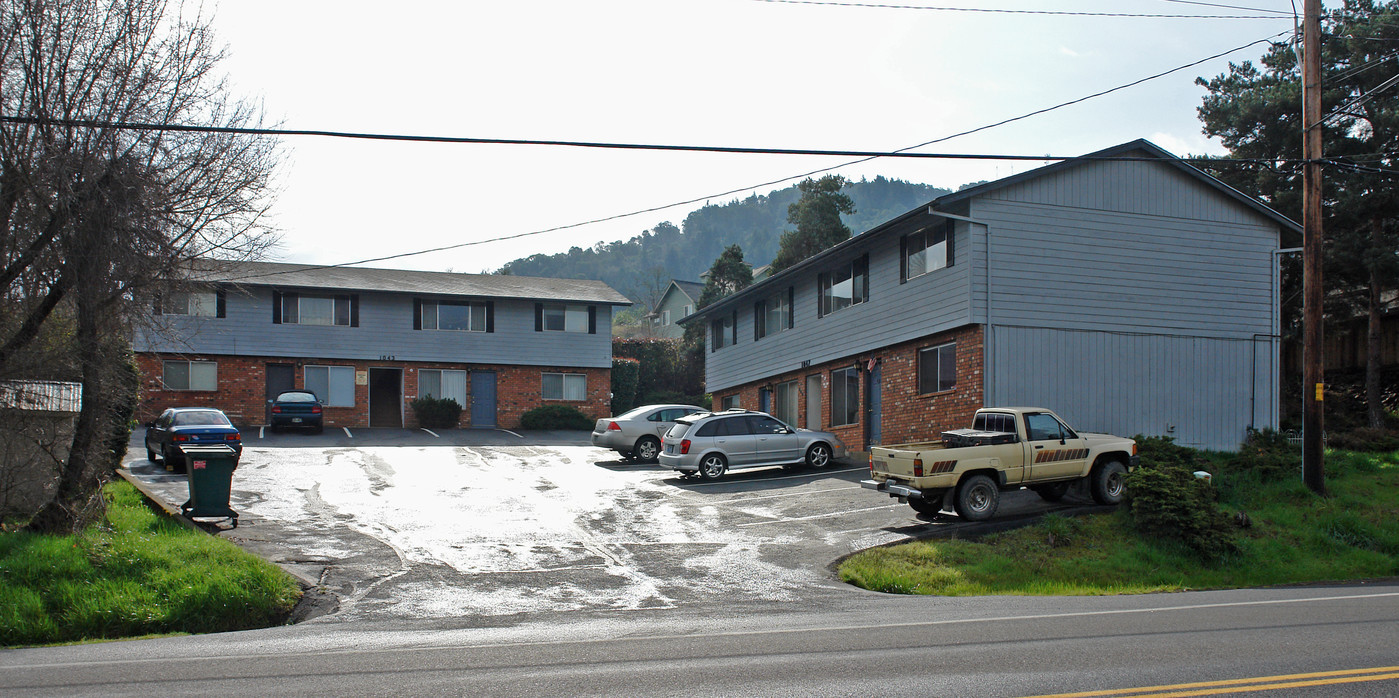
[(639, 265)]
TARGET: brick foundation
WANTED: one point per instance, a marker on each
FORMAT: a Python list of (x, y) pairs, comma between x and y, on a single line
[(905, 415), (242, 386)]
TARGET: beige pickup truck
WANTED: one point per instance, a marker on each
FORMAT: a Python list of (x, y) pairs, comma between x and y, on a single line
[(1007, 448)]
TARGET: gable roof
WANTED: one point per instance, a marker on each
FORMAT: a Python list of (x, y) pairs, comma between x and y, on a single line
[(1141, 148), (282, 275), (690, 289)]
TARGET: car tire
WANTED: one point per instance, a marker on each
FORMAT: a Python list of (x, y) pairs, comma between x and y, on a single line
[(172, 461), (1109, 482), (925, 505), (647, 449), (318, 429), (150, 453), (818, 456), (977, 498), (1052, 492), (712, 467)]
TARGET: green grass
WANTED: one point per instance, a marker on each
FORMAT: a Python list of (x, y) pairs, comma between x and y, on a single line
[(135, 573), (1295, 537)]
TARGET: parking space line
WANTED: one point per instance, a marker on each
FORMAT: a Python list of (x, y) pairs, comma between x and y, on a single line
[(347, 432), (510, 433), (788, 495), (817, 516), (431, 432), (260, 432)]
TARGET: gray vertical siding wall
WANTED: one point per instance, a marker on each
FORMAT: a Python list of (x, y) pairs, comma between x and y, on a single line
[(1133, 299), (894, 313), (385, 329)]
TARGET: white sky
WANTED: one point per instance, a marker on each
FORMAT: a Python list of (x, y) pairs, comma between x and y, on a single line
[(695, 72)]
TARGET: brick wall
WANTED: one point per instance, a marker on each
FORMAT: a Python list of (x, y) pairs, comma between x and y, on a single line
[(905, 414), (242, 385)]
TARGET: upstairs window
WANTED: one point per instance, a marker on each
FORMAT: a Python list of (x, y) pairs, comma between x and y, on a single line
[(927, 250), (844, 286), (665, 318), (197, 303), (724, 332), (461, 316), (772, 315), (565, 317), (305, 309)]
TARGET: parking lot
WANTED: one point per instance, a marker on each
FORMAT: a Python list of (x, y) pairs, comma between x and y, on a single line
[(488, 525)]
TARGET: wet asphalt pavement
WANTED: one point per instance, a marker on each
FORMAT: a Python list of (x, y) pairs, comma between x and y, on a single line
[(490, 528)]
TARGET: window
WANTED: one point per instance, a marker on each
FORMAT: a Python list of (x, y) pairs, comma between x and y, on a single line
[(772, 315), (563, 317), (298, 309), (937, 369), (334, 384), (995, 421), (845, 396), (665, 318), (688, 310), (927, 250), (442, 384), (730, 402), (786, 407), (200, 303), (191, 375), (845, 286), (724, 332), (454, 315), (729, 426), (759, 424), (1044, 427), (565, 386), (668, 415)]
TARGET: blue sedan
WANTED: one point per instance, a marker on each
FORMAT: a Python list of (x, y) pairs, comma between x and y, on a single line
[(189, 426), (297, 408)]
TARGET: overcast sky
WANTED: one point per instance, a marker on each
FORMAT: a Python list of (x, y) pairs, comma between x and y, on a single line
[(695, 72)]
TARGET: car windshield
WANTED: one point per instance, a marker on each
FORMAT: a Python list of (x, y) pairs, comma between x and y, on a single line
[(296, 397), (186, 419)]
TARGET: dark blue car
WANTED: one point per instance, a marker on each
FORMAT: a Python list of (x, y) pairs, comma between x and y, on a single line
[(189, 426), (297, 408)]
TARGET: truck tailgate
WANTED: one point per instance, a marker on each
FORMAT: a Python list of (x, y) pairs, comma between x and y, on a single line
[(900, 461)]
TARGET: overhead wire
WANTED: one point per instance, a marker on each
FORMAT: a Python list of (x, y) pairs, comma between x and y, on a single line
[(990, 10), (822, 170)]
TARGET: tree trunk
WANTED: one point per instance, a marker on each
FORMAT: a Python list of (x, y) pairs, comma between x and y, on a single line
[(1374, 406)]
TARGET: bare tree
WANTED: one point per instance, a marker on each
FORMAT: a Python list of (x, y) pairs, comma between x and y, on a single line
[(103, 197)]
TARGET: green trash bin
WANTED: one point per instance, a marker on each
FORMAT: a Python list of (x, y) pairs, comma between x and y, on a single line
[(210, 472)]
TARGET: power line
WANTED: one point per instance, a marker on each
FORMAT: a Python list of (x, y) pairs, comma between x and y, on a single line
[(988, 10), (774, 182), (1230, 7)]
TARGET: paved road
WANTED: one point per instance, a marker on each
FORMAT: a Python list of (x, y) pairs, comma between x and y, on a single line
[(489, 528)]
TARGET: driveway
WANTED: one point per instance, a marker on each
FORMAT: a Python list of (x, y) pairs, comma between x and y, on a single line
[(485, 527)]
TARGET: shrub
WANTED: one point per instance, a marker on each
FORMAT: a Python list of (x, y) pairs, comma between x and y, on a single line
[(625, 375), (556, 417), (1167, 502), (1269, 455), (436, 412), (1367, 439)]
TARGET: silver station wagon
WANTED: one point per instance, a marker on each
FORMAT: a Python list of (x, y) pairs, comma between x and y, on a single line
[(712, 443), (637, 433)]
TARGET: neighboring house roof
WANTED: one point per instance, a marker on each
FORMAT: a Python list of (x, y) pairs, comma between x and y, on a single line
[(1138, 148), (404, 281), (691, 289)]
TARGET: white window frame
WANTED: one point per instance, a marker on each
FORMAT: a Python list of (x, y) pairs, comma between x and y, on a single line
[(339, 380), (944, 353), (194, 303), (665, 318), (855, 285), (786, 402), (335, 310), (776, 315), (455, 383), (723, 331), (729, 402), (570, 385), (931, 253), (560, 317), (200, 376), (431, 316), (841, 380)]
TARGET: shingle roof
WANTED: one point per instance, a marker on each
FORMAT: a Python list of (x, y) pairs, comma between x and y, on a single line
[(441, 283), (693, 289)]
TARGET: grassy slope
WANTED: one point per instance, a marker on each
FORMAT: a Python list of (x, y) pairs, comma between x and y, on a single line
[(1295, 537), (135, 573)]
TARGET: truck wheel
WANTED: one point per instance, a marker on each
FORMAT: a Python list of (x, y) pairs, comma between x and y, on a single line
[(712, 467), (977, 498), (818, 456), (1109, 482), (647, 448), (1052, 492), (930, 503)]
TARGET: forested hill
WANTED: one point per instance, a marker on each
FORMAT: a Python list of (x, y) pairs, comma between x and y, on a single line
[(754, 223)]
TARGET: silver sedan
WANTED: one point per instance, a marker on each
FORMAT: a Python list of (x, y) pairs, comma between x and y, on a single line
[(712, 443), (637, 433)]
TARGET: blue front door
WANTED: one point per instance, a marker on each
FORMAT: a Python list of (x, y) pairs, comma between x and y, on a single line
[(875, 391), (483, 399)]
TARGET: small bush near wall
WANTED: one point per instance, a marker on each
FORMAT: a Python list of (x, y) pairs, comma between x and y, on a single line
[(556, 417), (1166, 501), (625, 373), (437, 413)]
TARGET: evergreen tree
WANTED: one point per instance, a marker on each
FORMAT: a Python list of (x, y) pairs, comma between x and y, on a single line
[(728, 275), (817, 217), (1256, 113)]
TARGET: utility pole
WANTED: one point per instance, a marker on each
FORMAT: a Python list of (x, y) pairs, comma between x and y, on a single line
[(1313, 372)]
